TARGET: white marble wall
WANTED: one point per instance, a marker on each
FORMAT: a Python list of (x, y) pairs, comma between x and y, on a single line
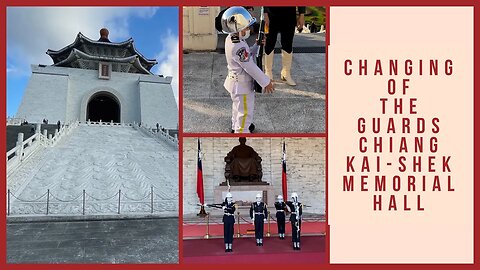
[(157, 104), (59, 93), (305, 168), (45, 97)]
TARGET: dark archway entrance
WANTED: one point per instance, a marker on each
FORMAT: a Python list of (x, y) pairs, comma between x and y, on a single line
[(103, 106)]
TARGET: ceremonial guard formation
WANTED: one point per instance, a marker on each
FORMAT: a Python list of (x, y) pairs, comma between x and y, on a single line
[(259, 214), (280, 206), (296, 219), (242, 69), (228, 207)]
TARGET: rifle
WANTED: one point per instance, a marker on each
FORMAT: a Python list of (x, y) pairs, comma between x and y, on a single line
[(213, 205), (260, 37)]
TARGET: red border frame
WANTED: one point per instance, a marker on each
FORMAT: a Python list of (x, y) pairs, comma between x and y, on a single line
[(180, 138), (327, 3)]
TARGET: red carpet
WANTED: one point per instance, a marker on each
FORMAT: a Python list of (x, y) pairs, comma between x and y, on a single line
[(216, 229), (245, 251)]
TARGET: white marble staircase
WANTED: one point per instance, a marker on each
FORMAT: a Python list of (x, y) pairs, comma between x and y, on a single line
[(102, 160)]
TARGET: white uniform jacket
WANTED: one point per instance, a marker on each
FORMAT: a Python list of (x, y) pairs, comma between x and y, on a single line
[(242, 70)]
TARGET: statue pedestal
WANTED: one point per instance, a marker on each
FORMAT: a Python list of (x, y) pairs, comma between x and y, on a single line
[(244, 195)]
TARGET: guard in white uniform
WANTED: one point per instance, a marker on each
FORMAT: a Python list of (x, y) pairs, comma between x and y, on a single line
[(242, 70)]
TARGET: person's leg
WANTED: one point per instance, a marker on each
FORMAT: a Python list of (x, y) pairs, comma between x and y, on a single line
[(294, 235), (286, 39), (261, 231), (234, 115), (257, 230), (251, 110), (281, 221), (279, 226), (271, 37), (244, 108), (225, 235), (271, 40), (235, 104), (241, 107), (231, 234), (298, 235)]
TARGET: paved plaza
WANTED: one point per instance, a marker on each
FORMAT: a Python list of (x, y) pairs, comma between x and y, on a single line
[(97, 241)]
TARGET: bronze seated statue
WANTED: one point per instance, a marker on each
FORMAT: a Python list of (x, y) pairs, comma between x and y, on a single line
[(243, 166)]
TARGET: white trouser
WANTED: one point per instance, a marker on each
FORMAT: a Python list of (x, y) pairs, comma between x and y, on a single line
[(242, 111)]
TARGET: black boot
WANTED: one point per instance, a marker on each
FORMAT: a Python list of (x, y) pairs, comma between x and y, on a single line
[(251, 128)]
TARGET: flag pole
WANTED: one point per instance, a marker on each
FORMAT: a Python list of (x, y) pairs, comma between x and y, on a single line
[(200, 193), (284, 171), (202, 212)]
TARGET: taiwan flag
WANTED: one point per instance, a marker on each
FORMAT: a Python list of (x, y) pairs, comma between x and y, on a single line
[(284, 173), (200, 175)]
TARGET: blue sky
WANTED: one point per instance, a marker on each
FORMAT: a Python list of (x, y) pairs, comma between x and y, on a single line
[(32, 31)]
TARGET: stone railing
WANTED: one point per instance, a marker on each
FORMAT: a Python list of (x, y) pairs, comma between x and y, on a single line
[(92, 202), (50, 140), (158, 134), (100, 123), (15, 121), (24, 149)]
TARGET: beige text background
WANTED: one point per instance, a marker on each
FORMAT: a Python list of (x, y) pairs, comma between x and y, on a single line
[(443, 233)]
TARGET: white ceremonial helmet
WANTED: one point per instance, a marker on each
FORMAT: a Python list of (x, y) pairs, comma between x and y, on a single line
[(229, 197), (235, 19), (295, 196), (259, 197), (279, 198)]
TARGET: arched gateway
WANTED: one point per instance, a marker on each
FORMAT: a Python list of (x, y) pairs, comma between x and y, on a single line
[(103, 107)]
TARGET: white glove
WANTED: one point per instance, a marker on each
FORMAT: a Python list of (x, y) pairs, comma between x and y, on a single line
[(224, 207), (298, 218), (264, 220), (253, 218)]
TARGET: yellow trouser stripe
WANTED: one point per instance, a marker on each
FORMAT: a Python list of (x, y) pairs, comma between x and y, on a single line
[(245, 113)]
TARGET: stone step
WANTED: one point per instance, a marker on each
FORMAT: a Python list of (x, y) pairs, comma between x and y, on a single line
[(100, 160)]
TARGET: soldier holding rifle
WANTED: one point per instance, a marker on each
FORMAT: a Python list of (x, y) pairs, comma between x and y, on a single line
[(296, 219)]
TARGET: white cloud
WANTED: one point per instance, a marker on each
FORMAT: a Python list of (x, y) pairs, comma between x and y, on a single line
[(11, 69), (31, 31), (168, 60)]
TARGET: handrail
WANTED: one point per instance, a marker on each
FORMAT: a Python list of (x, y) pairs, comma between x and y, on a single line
[(9, 153), (28, 147), (48, 198), (159, 135)]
